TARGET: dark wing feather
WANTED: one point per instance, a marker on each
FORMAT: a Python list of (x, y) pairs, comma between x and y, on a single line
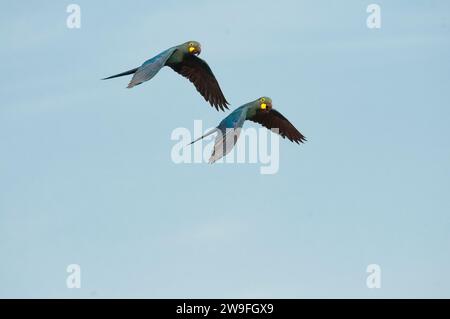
[(199, 73), (274, 119)]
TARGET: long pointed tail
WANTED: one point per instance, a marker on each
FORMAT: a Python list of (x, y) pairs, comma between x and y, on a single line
[(202, 137), (122, 74)]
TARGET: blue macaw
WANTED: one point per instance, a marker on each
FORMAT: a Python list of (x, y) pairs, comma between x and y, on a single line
[(183, 60), (259, 111)]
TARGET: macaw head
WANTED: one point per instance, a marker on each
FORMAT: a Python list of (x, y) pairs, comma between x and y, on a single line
[(264, 104), (192, 47)]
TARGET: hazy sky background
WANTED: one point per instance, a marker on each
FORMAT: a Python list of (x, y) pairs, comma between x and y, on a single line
[(86, 175)]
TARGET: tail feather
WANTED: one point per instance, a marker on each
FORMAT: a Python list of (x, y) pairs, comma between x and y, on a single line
[(122, 74), (203, 136)]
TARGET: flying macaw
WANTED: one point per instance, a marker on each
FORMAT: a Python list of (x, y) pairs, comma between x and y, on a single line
[(183, 60), (259, 111)]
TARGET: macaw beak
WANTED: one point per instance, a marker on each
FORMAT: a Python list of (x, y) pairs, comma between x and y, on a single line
[(194, 50), (266, 107)]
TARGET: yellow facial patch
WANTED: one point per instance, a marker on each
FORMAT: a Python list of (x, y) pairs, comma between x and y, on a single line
[(263, 106), (191, 49)]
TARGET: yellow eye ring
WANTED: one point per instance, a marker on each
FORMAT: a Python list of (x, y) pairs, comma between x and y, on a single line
[(263, 100)]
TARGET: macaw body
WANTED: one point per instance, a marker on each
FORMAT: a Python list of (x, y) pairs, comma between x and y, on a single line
[(183, 60), (259, 111)]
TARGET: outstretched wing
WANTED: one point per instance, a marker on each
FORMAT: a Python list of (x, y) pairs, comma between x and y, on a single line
[(229, 130), (199, 73), (150, 67), (275, 120), (224, 143)]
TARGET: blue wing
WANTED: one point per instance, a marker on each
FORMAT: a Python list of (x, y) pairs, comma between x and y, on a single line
[(150, 67), (229, 131)]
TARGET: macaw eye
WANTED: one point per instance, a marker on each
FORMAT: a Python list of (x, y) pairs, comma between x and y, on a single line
[(263, 100)]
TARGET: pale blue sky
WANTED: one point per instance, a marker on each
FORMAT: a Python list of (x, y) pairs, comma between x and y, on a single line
[(86, 175)]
